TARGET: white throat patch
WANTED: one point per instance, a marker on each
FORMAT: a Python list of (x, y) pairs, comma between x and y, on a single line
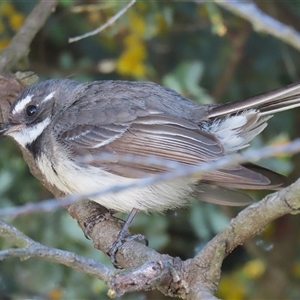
[(27, 135)]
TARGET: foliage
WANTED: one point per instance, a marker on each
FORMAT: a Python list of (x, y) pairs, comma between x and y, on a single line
[(188, 47), (10, 22)]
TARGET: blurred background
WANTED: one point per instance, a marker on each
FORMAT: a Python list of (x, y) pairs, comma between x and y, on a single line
[(208, 55)]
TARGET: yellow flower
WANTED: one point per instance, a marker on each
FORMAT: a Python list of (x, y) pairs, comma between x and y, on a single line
[(135, 47), (231, 288), (16, 20), (6, 9), (55, 294), (130, 64), (137, 24), (131, 61), (254, 268)]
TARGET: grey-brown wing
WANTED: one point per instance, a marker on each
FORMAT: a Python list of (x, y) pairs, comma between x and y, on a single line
[(160, 135), (164, 137), (153, 135)]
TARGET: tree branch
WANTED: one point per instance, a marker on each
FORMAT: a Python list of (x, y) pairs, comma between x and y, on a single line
[(262, 22), (29, 249), (111, 21), (19, 46)]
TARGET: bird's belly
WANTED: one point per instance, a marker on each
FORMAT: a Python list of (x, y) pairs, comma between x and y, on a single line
[(71, 179)]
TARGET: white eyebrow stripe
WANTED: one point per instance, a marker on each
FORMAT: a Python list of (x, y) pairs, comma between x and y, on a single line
[(50, 96), (21, 104)]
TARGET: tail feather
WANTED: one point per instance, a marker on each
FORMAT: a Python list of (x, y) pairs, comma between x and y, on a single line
[(220, 195), (223, 192), (267, 104), (235, 125)]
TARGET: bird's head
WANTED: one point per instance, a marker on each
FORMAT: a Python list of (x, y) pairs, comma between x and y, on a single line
[(35, 108)]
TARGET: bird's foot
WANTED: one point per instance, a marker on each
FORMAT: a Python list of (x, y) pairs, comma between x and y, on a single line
[(124, 237), (118, 243)]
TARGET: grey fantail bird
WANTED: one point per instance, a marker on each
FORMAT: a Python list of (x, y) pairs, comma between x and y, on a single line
[(60, 121)]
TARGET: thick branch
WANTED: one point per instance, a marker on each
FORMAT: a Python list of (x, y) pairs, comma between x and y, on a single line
[(19, 46), (206, 265)]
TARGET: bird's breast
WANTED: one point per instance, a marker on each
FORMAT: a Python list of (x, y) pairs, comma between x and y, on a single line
[(72, 178)]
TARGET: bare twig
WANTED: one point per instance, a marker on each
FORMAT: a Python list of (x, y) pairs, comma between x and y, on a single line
[(19, 46), (102, 27), (29, 248), (179, 171), (262, 22)]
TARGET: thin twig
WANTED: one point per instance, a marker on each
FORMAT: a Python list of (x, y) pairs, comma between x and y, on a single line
[(180, 171), (30, 248), (102, 27)]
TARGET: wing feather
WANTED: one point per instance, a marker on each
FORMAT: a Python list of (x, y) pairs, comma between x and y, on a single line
[(160, 135)]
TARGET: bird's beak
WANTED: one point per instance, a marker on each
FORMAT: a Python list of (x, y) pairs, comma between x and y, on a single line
[(3, 128)]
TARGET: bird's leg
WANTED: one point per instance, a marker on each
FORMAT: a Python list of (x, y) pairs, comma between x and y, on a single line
[(123, 237)]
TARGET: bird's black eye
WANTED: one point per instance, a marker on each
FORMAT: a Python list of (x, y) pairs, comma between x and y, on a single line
[(31, 110)]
